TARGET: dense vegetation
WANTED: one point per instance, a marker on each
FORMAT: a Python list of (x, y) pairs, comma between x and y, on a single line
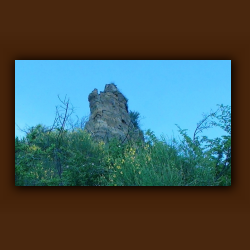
[(69, 157)]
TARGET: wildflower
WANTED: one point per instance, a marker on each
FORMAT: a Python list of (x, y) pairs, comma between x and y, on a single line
[(34, 147), (121, 172), (114, 175), (118, 167), (139, 172)]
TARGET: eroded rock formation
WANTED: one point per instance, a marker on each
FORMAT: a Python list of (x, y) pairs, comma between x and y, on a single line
[(109, 116)]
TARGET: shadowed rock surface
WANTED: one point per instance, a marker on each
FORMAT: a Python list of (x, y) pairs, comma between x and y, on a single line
[(109, 116)]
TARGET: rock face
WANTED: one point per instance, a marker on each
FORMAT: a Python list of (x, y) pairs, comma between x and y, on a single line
[(109, 116)]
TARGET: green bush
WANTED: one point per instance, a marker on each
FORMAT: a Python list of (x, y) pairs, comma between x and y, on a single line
[(60, 157)]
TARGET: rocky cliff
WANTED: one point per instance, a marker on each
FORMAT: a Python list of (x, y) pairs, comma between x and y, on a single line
[(109, 116)]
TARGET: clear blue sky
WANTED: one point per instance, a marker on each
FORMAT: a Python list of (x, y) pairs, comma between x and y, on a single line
[(164, 92)]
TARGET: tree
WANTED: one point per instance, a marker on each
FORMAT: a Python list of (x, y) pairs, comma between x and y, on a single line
[(215, 153), (221, 147)]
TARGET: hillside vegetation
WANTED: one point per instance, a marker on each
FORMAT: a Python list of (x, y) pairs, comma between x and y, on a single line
[(61, 156)]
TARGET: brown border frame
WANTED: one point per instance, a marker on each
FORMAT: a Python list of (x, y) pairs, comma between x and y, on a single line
[(182, 210)]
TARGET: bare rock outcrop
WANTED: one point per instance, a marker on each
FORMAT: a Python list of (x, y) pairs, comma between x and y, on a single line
[(109, 116)]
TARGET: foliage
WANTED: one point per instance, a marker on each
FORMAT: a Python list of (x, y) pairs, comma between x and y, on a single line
[(134, 116), (212, 155), (69, 157)]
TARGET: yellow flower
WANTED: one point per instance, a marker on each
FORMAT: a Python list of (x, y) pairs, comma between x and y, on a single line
[(118, 167), (121, 172), (34, 147)]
